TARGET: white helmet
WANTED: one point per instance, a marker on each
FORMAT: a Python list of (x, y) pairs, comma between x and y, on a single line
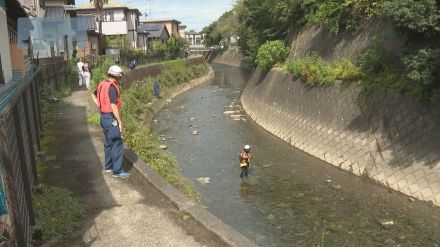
[(247, 147), (115, 70)]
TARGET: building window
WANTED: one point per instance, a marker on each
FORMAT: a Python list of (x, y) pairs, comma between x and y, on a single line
[(12, 34)]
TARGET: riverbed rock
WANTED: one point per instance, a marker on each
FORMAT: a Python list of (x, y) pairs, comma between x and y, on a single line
[(156, 121), (163, 146), (195, 132), (163, 139), (389, 242), (386, 223), (228, 112), (411, 199), (49, 158), (203, 180), (191, 119), (336, 187), (270, 217)]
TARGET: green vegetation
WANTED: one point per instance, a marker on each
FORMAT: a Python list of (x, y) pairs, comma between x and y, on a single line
[(219, 32), (316, 71), (56, 211), (271, 53), (116, 41), (140, 138), (415, 70), (171, 49)]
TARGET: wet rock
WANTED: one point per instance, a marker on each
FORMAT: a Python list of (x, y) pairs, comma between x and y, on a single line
[(228, 112), (182, 107), (168, 101), (386, 223), (203, 180), (336, 187), (259, 237), (191, 119), (195, 132), (328, 180), (213, 115), (270, 217), (49, 158), (163, 139), (156, 121), (163, 146), (411, 199), (390, 241)]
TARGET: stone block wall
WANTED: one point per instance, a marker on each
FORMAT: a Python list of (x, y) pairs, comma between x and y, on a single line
[(389, 137)]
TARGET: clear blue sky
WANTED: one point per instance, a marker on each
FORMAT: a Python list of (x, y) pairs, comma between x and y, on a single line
[(195, 14)]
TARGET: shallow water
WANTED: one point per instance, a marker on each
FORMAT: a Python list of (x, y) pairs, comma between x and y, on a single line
[(289, 198)]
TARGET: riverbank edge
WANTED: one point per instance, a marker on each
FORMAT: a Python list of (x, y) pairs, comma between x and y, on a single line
[(213, 224)]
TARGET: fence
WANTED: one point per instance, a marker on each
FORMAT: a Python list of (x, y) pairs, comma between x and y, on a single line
[(126, 57), (20, 130)]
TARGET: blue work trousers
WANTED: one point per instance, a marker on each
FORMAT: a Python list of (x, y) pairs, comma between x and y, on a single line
[(113, 146)]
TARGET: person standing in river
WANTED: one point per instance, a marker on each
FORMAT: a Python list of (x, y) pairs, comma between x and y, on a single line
[(245, 159)]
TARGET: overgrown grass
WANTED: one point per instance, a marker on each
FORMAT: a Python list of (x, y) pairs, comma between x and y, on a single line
[(318, 72), (56, 210), (93, 118)]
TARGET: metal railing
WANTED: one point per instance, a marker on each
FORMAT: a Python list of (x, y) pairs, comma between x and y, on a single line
[(20, 131), (20, 128)]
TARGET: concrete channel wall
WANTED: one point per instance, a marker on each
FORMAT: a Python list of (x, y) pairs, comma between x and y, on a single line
[(386, 136), (141, 169), (389, 137)]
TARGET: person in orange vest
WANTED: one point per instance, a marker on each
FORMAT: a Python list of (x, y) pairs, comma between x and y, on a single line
[(108, 99)]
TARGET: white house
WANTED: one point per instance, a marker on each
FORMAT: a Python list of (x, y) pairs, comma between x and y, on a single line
[(118, 19), (195, 39)]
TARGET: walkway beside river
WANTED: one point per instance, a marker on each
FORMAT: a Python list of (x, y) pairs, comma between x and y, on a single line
[(120, 212)]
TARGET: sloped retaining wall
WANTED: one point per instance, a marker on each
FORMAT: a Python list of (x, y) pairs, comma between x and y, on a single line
[(388, 137)]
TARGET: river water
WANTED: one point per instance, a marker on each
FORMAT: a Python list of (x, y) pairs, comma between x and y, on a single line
[(289, 198)]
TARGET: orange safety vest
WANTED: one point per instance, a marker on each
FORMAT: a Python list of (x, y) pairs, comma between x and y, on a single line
[(102, 93)]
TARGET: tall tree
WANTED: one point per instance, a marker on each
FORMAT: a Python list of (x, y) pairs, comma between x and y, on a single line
[(99, 5)]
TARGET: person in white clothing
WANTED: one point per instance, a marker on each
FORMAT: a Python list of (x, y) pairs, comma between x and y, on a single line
[(86, 74), (80, 65)]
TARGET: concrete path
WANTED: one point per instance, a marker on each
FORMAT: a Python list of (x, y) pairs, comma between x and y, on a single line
[(120, 212)]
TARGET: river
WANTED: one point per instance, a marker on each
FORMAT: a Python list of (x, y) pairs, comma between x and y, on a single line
[(290, 198)]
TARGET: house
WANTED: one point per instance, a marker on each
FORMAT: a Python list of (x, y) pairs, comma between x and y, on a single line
[(195, 39), (87, 44), (117, 19), (53, 35), (182, 30), (171, 24), (15, 63), (150, 32)]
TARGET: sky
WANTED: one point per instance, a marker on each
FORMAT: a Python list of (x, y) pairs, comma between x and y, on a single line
[(195, 14)]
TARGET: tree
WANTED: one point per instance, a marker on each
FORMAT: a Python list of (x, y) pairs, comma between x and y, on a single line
[(99, 5)]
